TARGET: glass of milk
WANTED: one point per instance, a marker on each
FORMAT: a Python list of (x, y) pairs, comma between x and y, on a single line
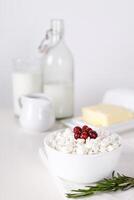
[(26, 79)]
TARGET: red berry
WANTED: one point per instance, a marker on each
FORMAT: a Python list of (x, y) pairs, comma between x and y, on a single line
[(84, 135), (93, 134), (86, 128), (77, 129), (77, 135)]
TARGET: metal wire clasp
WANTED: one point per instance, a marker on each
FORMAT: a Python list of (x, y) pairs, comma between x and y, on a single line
[(44, 45)]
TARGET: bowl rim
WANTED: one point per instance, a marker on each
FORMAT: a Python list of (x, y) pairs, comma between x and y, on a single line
[(79, 155)]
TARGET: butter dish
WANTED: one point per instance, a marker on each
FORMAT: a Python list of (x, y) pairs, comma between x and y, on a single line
[(124, 98)]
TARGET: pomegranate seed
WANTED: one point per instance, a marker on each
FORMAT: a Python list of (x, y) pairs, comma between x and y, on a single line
[(77, 135), (93, 134), (77, 129), (84, 135), (86, 128)]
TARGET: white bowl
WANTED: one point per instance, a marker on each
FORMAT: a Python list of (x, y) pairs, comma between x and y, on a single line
[(81, 168)]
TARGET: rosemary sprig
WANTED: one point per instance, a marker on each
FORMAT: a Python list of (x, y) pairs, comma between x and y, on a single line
[(116, 182)]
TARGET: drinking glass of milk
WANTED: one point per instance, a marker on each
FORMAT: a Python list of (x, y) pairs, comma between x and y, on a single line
[(26, 79)]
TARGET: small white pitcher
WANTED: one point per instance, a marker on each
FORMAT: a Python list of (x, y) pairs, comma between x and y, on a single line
[(37, 113)]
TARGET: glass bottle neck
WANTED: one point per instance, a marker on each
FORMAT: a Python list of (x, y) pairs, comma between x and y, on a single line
[(55, 38)]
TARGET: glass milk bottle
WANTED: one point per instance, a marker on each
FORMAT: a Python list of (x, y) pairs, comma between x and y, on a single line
[(26, 79), (58, 70)]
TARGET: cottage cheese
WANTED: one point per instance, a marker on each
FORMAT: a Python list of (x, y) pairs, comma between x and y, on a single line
[(64, 141)]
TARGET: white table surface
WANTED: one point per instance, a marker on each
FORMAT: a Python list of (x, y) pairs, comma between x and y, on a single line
[(22, 174), (24, 177)]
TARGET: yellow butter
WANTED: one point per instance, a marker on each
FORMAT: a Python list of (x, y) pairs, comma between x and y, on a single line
[(106, 114)]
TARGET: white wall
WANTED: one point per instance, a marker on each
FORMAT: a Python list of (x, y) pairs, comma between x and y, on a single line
[(99, 33)]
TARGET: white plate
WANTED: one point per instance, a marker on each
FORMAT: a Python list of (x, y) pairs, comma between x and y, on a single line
[(119, 127)]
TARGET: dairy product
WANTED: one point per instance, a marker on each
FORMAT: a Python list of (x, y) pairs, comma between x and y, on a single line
[(106, 114), (65, 142), (57, 63), (25, 83)]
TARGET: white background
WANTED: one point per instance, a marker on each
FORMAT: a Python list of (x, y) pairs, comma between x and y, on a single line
[(99, 33)]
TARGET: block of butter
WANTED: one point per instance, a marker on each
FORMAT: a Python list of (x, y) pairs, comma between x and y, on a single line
[(106, 114)]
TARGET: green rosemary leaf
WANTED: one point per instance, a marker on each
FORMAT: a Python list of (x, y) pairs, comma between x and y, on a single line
[(79, 195), (113, 174), (116, 182)]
